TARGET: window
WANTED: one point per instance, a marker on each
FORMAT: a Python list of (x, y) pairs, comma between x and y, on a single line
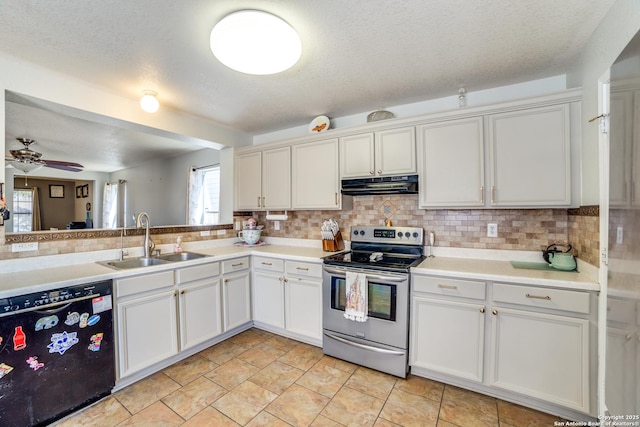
[(22, 210), (204, 195)]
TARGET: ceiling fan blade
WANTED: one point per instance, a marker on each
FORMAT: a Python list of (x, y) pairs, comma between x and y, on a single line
[(53, 163), (62, 167)]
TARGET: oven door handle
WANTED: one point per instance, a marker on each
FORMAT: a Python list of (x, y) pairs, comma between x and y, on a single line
[(369, 276), (365, 347)]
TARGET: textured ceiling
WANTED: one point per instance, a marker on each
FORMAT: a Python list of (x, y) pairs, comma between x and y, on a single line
[(358, 55)]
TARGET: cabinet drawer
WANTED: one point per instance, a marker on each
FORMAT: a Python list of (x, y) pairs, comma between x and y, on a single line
[(197, 272), (620, 310), (148, 282), (303, 269), (557, 299), (235, 265), (450, 287), (268, 264)]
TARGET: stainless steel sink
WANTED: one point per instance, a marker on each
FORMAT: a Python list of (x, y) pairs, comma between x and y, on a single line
[(181, 256), (133, 263), (147, 262)]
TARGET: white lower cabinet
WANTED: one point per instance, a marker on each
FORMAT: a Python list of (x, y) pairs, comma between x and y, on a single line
[(541, 355), (303, 299), (536, 347), (447, 331), (147, 322), (288, 297), (236, 292), (200, 304)]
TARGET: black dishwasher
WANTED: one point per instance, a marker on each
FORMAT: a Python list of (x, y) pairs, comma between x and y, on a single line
[(56, 353)]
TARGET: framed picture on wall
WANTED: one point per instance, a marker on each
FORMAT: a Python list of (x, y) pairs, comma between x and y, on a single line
[(85, 190), (78, 191), (56, 191)]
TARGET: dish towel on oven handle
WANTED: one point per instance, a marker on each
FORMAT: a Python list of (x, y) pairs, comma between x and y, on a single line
[(357, 303)]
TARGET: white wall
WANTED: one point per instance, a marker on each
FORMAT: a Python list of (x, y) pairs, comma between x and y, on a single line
[(159, 187), (607, 42), (489, 96)]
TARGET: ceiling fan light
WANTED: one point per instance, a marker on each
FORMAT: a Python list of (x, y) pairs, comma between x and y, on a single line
[(25, 167), (255, 42), (149, 101)]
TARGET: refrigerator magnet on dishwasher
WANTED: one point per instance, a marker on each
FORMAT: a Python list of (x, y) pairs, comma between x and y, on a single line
[(56, 353)]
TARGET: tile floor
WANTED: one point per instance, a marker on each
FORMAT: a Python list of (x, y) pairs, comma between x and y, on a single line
[(257, 378)]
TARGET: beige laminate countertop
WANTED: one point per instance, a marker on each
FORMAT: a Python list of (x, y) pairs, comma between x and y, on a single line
[(503, 271), (37, 280)]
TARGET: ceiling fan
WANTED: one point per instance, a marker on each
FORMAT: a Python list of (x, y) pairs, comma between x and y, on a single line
[(27, 160)]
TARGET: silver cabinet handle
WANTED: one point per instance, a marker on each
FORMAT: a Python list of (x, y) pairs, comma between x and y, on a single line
[(302, 268), (493, 194), (546, 297), (266, 263), (371, 172), (482, 310), (482, 195), (337, 199), (379, 171), (447, 286), (258, 201), (494, 312)]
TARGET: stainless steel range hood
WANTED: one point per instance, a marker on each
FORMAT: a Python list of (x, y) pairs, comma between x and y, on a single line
[(405, 184)]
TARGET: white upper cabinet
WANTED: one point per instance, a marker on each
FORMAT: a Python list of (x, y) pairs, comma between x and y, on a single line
[(315, 182), (382, 153), (451, 163), (263, 179), (530, 162)]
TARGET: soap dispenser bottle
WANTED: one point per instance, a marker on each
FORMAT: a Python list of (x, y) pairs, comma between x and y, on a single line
[(178, 247)]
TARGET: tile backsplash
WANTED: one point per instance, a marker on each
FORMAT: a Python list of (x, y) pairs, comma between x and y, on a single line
[(518, 229)]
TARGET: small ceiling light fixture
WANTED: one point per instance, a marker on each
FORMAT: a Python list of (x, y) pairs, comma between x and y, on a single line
[(462, 97), (149, 101), (255, 42)]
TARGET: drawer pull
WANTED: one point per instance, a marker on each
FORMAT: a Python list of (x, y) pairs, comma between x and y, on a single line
[(267, 263), (237, 265), (441, 286), (302, 268), (547, 297)]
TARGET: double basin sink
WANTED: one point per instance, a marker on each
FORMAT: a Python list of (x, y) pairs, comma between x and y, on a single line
[(147, 262)]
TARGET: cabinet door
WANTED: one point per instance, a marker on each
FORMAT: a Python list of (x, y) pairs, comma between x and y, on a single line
[(315, 179), (200, 312), (236, 295), (520, 143), (248, 176), (541, 355), (303, 302), (395, 151), (147, 331), (357, 156), (451, 156), (448, 337), (268, 299), (276, 178)]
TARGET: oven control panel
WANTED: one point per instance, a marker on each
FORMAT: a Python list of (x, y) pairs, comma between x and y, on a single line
[(394, 235)]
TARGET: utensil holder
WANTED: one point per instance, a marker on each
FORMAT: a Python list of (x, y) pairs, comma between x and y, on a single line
[(337, 244)]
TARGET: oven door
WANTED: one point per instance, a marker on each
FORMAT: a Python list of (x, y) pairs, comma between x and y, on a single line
[(388, 300)]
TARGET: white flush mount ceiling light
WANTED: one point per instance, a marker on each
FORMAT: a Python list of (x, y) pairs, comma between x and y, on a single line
[(255, 42), (149, 101)]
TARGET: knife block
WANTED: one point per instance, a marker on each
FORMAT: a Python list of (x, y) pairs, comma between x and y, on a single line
[(337, 244)]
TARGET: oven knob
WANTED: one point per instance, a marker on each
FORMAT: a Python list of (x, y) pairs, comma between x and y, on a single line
[(355, 232), (415, 235), (362, 232)]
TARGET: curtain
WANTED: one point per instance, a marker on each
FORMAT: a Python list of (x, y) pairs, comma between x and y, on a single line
[(195, 207), (110, 205), (36, 218)]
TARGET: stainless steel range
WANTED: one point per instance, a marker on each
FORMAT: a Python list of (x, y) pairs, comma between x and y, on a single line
[(378, 264)]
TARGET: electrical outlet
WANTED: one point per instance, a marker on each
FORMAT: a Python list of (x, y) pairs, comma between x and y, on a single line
[(492, 230), (619, 235), (204, 233), (276, 225)]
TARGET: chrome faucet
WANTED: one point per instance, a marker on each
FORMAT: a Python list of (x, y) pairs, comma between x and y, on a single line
[(148, 243)]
